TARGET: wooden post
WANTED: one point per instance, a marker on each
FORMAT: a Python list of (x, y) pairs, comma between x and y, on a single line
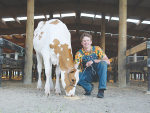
[(122, 43), (29, 42), (102, 39), (135, 57), (144, 76), (1, 54), (127, 71), (6, 73), (148, 75), (10, 73), (95, 39), (135, 76)]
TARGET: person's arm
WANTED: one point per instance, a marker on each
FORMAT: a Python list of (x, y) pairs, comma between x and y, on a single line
[(105, 58)]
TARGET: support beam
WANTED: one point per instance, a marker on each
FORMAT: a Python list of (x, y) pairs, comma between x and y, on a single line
[(95, 40), (135, 25), (29, 42), (45, 16), (1, 54), (18, 21), (81, 26), (109, 20), (86, 5), (51, 15), (122, 43), (102, 39), (93, 20), (9, 26), (78, 17)]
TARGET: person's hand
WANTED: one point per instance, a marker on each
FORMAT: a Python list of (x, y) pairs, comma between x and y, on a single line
[(89, 63)]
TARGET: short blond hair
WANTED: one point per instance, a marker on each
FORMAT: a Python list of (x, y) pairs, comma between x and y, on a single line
[(85, 34)]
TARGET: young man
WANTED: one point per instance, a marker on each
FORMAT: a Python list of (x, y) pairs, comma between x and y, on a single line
[(91, 59)]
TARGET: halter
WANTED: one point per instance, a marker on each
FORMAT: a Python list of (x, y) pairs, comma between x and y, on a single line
[(69, 79), (93, 71)]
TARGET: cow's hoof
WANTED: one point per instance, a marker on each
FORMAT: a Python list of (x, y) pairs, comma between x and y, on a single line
[(47, 94), (58, 93)]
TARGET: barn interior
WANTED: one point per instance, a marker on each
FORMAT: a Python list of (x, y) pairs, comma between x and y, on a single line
[(79, 16)]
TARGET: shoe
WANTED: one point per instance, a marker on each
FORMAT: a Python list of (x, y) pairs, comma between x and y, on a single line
[(88, 94), (100, 93)]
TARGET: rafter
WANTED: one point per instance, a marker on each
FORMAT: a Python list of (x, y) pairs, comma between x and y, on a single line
[(13, 37), (51, 15), (57, 2), (146, 28), (22, 36), (19, 3), (45, 16), (78, 18), (138, 4), (60, 16), (111, 15), (93, 20), (41, 9), (99, 2), (18, 21), (8, 25), (90, 6), (1, 5), (135, 25), (38, 3), (117, 4), (85, 27)]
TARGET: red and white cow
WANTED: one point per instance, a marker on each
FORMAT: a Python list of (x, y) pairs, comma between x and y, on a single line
[(52, 42)]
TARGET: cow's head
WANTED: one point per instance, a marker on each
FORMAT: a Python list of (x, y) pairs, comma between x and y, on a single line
[(70, 80)]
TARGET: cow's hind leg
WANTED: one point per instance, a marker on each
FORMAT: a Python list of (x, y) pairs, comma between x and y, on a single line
[(51, 81), (39, 68), (57, 86), (46, 58)]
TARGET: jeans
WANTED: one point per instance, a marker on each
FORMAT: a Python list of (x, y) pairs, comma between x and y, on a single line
[(87, 77)]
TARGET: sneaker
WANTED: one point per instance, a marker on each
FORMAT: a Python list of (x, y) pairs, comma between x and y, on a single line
[(88, 94), (100, 93)]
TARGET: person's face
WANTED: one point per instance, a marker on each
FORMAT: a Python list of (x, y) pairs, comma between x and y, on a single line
[(86, 42)]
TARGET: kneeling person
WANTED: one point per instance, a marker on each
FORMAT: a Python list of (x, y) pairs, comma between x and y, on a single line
[(91, 59)]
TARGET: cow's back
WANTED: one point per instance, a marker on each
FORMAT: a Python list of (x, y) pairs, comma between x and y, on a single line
[(48, 31)]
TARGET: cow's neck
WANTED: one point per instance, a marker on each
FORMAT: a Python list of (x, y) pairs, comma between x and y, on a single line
[(66, 61)]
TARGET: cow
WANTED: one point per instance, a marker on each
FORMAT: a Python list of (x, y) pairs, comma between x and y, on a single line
[(52, 42)]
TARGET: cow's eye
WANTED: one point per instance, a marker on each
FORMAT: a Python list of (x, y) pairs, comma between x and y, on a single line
[(72, 72), (73, 80)]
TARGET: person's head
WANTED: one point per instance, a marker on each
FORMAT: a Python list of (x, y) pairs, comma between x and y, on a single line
[(86, 40)]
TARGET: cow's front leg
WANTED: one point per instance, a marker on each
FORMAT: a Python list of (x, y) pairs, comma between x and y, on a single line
[(57, 86), (39, 68)]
